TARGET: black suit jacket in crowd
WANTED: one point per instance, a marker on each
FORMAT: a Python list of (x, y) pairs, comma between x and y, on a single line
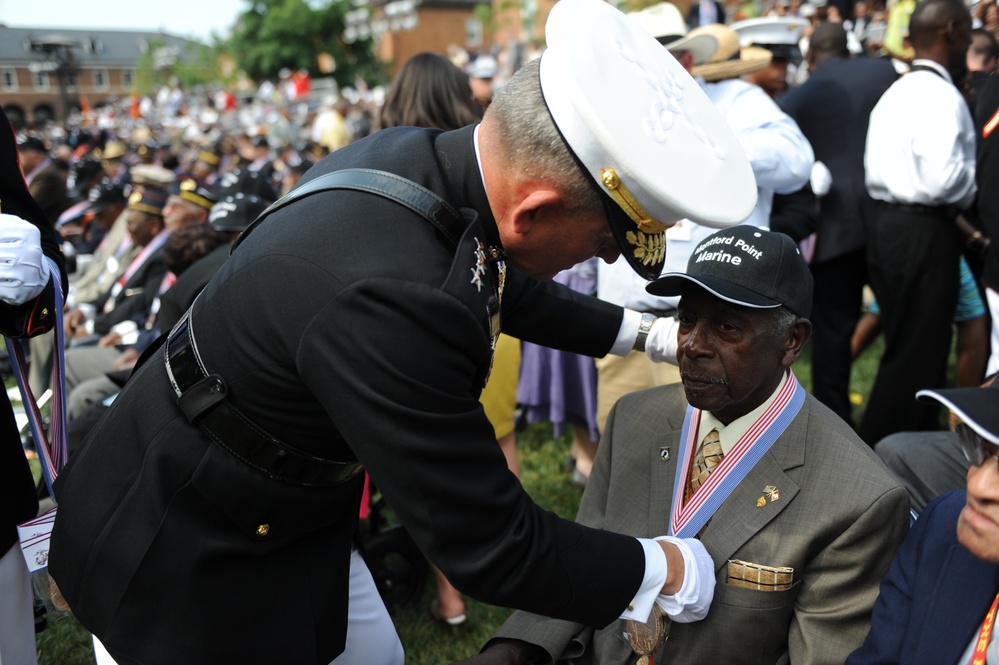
[(832, 108), (134, 300), (987, 175)]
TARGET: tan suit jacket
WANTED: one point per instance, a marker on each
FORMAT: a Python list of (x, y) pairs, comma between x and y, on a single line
[(838, 521)]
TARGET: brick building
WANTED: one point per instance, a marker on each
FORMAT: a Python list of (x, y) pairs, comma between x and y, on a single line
[(438, 24), (44, 71)]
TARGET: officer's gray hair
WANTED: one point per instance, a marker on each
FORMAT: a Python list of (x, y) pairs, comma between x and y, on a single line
[(783, 320), (532, 142)]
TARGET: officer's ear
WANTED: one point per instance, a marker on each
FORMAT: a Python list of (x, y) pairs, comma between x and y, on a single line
[(534, 207)]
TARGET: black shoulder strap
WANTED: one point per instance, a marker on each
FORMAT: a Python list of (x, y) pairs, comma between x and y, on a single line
[(405, 192), (925, 68)]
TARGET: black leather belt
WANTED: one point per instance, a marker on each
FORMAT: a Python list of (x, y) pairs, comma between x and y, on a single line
[(203, 399), (917, 209)]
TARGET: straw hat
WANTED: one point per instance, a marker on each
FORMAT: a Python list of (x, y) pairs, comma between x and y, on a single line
[(664, 22), (729, 60)]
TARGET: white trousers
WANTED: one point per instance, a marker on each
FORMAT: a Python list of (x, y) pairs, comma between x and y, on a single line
[(17, 611), (371, 635)]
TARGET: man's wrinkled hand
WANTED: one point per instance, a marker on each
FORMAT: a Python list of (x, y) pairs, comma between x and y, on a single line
[(24, 272)]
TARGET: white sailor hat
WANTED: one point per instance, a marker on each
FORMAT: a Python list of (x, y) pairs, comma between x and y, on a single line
[(644, 131), (778, 34), (664, 22)]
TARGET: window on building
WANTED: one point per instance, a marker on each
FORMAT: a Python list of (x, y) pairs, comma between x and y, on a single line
[(473, 32), (9, 80), (41, 80), (127, 77), (101, 79)]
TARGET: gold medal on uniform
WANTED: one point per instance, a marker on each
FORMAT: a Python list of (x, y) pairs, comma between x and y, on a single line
[(645, 637)]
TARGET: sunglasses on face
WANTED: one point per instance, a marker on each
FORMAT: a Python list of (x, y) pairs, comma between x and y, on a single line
[(975, 447)]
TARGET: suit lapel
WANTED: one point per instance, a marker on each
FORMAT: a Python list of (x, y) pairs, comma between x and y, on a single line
[(741, 516), (957, 605), (663, 460)]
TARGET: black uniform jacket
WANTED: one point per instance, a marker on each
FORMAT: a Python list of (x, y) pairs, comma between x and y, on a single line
[(178, 298), (18, 500), (350, 328)]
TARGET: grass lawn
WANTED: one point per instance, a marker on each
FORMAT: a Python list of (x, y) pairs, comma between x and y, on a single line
[(427, 642)]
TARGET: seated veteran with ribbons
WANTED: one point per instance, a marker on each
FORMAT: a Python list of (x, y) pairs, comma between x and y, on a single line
[(366, 304), (939, 601), (800, 518)]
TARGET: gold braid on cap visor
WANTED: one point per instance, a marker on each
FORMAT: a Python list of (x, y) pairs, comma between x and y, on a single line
[(188, 192), (649, 242)]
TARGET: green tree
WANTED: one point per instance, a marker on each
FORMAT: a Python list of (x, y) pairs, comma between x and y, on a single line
[(192, 63), (272, 34)]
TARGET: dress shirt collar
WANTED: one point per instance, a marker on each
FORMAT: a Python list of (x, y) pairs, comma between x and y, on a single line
[(730, 434), (461, 166), (935, 66)]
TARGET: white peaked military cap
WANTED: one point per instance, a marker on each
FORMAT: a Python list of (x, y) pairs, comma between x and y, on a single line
[(664, 22), (642, 129), (778, 34)]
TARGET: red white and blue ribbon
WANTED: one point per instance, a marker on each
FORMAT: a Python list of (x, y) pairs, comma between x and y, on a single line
[(687, 519), (51, 447)]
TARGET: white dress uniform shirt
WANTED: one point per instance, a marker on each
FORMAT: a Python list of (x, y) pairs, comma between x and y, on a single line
[(921, 142), (781, 158)]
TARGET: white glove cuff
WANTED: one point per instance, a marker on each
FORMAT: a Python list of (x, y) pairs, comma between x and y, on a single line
[(693, 600), (660, 346)]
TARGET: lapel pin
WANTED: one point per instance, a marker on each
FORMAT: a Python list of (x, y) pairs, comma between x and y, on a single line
[(664, 453), (761, 502), (772, 493)]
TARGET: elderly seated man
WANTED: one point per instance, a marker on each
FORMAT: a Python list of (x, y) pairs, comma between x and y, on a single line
[(938, 602), (800, 518)]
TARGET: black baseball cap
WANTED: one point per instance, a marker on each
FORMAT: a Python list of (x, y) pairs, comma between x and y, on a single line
[(32, 143), (247, 182), (236, 212), (746, 265), (105, 193), (977, 407)]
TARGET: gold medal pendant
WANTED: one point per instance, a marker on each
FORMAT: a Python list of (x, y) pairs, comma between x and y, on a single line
[(645, 637)]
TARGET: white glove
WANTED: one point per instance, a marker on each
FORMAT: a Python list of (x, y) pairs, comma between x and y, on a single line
[(821, 179), (660, 345), (24, 272), (693, 600)]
